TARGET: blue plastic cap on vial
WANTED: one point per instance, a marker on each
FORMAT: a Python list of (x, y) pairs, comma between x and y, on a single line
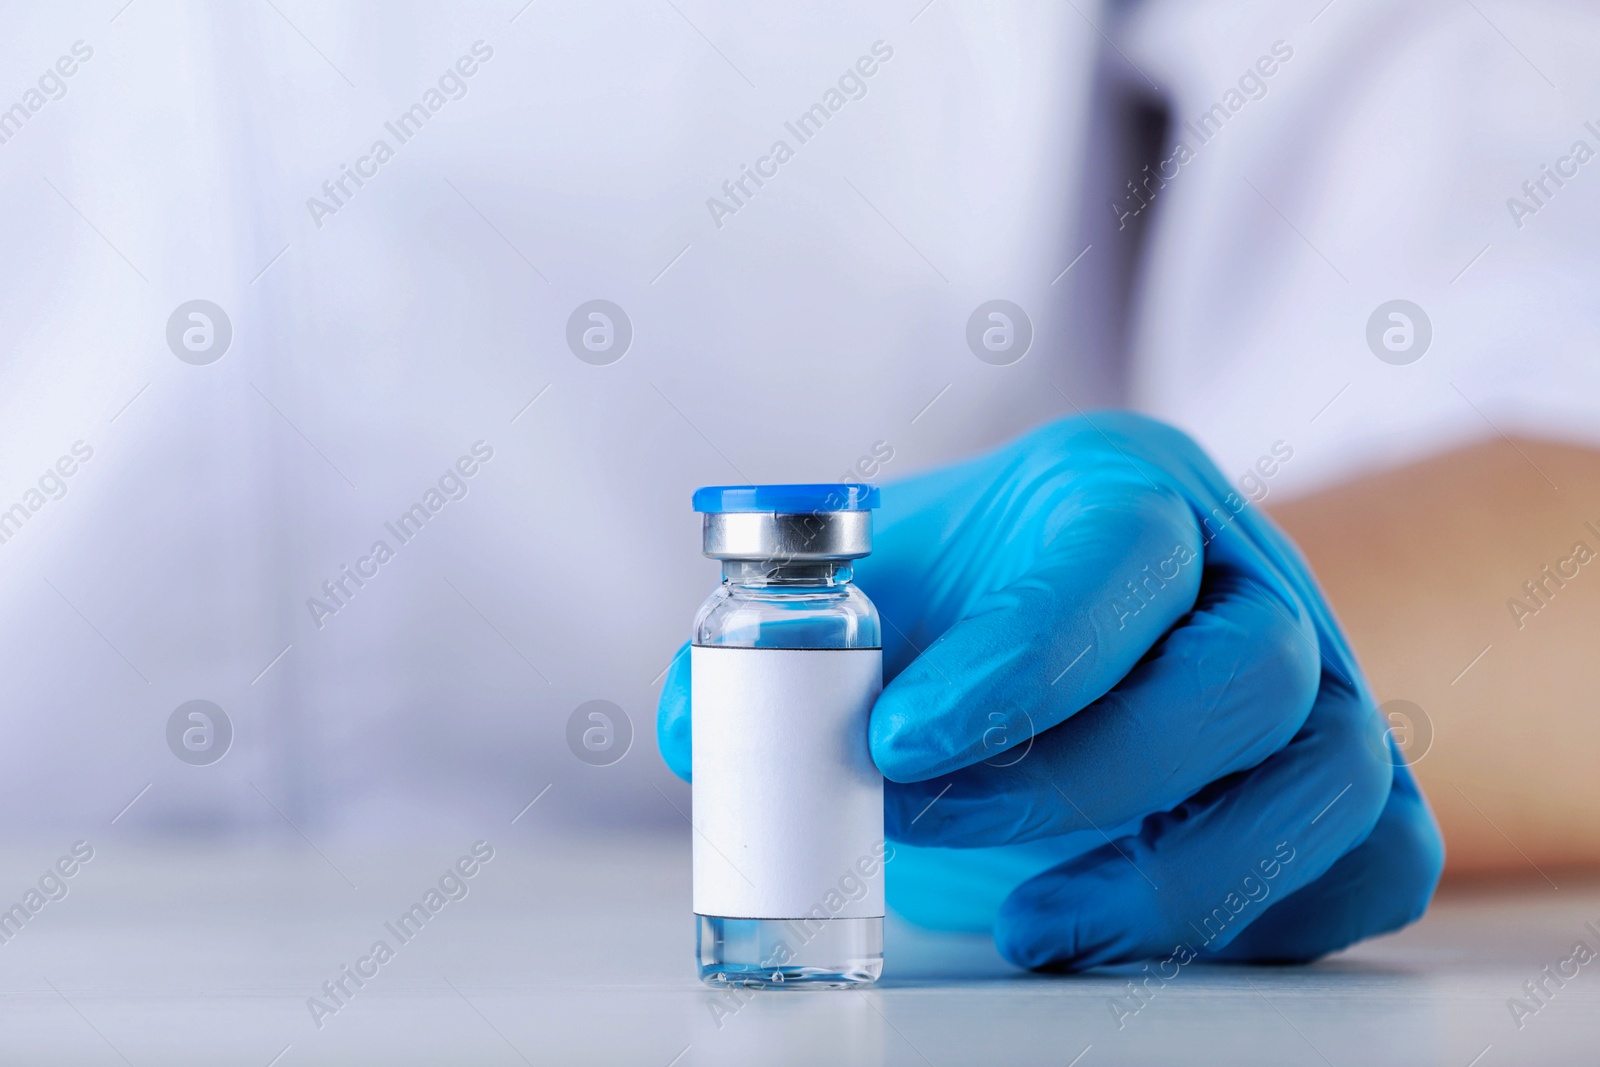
[(786, 499)]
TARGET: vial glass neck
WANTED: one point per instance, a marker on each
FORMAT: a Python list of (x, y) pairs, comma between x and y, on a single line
[(771, 572)]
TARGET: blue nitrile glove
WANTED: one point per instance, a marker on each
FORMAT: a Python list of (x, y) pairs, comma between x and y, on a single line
[(1088, 630)]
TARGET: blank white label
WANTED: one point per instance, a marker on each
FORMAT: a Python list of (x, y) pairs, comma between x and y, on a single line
[(788, 806)]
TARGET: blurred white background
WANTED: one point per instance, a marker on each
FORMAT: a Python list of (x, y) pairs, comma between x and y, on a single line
[(823, 321)]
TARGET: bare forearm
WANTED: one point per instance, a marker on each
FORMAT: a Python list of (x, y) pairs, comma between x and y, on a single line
[(1426, 566)]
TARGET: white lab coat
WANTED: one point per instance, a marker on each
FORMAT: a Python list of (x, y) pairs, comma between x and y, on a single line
[(798, 329)]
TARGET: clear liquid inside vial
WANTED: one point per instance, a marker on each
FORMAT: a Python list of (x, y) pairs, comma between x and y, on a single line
[(790, 953), (789, 605)]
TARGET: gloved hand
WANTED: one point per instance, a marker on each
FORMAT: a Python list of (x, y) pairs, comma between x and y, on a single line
[(1089, 629)]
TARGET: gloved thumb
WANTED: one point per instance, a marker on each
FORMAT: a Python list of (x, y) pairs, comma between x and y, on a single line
[(672, 715)]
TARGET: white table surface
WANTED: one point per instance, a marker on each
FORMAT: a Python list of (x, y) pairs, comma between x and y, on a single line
[(579, 951)]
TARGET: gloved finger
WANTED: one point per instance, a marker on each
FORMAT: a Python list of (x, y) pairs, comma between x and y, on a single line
[(1202, 873), (1227, 687), (672, 715), (1382, 884), (1122, 565)]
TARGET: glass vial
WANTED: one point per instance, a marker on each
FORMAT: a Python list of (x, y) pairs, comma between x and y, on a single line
[(786, 662)]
